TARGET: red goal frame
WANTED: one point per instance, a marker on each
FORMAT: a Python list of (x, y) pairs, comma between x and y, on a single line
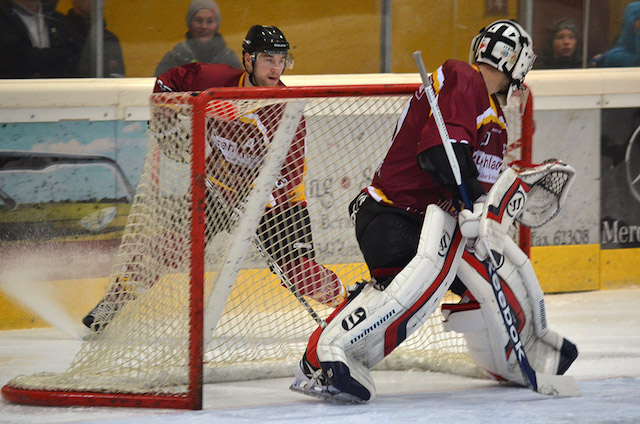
[(192, 399)]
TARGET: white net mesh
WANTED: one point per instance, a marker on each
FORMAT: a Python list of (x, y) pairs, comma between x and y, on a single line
[(142, 338), (513, 110)]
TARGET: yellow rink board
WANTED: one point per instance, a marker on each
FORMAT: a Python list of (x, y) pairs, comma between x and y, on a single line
[(585, 267), (77, 297), (567, 268), (559, 269)]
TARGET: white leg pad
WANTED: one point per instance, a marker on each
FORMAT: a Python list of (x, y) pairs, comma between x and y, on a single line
[(375, 322), (489, 343), (531, 284)]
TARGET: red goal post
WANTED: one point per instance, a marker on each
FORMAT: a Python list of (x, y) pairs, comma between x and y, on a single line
[(196, 303)]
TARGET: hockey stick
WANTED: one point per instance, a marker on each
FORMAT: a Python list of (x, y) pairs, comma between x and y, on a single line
[(235, 214), (548, 384), (285, 280)]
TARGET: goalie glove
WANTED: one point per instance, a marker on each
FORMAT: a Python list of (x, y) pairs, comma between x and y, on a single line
[(550, 183), (532, 195)]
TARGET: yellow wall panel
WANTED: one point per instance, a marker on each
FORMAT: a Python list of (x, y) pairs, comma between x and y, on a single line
[(619, 268), (15, 316), (441, 32), (567, 268), (75, 297), (559, 269), (327, 37)]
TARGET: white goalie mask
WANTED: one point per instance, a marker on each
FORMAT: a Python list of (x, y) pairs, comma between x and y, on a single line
[(506, 46)]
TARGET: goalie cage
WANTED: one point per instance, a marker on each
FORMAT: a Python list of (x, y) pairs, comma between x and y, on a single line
[(163, 343)]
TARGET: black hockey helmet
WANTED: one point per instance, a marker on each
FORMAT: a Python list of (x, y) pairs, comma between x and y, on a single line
[(266, 39)]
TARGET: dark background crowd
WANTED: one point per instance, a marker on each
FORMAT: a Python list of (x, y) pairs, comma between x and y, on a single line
[(38, 40)]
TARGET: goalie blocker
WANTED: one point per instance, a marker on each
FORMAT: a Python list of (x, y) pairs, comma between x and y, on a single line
[(377, 319)]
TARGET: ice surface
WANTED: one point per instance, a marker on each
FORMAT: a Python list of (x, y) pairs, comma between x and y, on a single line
[(604, 324)]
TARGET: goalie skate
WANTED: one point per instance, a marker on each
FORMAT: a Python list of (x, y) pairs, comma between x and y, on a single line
[(318, 387)]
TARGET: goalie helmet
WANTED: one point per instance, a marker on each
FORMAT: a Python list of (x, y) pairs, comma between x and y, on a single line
[(506, 46)]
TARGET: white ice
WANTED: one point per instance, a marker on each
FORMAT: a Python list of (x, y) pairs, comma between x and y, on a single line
[(604, 324)]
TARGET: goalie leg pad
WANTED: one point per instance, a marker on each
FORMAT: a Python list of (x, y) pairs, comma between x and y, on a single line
[(375, 322), (488, 343), (531, 284)]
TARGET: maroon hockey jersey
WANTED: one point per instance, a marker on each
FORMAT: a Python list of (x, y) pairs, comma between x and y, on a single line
[(236, 151), (471, 117)]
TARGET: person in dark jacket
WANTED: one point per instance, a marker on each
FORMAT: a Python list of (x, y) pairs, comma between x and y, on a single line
[(626, 51), (203, 41), (34, 42), (562, 50), (79, 18)]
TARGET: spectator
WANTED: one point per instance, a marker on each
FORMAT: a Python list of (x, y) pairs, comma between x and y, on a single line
[(79, 18), (35, 44), (626, 50), (561, 50), (203, 43)]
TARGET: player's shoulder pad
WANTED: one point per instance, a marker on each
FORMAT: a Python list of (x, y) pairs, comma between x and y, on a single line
[(460, 76)]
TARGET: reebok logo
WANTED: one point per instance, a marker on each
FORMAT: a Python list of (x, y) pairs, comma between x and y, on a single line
[(507, 316)]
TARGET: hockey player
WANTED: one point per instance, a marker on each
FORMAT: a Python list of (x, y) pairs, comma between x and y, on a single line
[(285, 230), (406, 227)]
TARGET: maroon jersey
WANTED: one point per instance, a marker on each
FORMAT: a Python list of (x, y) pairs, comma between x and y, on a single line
[(238, 146), (471, 117), (199, 77)]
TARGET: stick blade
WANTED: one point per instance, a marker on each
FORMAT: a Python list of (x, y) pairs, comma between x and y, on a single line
[(339, 398), (557, 385)]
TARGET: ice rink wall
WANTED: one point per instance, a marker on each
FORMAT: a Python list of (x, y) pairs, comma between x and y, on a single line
[(588, 118)]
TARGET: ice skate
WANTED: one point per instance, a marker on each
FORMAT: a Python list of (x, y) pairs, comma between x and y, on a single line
[(109, 305), (101, 315), (315, 384)]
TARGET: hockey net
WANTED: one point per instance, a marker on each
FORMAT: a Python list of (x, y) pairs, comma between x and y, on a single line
[(518, 111), (199, 290)]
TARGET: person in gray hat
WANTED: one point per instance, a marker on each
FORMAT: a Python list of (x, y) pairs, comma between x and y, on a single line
[(203, 41), (561, 51)]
